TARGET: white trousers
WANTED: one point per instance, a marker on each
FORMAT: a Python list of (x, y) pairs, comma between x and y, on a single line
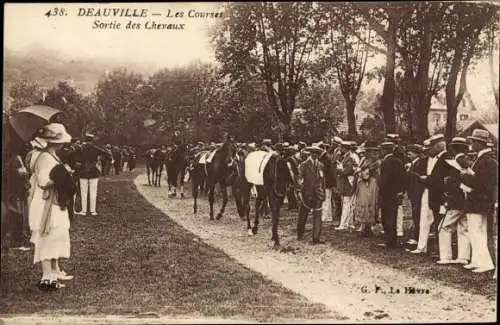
[(454, 220), (479, 241), (88, 187), (426, 220), (399, 223), (346, 219), (326, 212)]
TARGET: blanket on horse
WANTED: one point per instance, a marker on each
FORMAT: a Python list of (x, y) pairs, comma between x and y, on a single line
[(255, 163)]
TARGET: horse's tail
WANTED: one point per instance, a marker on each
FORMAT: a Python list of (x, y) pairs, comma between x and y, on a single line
[(277, 174)]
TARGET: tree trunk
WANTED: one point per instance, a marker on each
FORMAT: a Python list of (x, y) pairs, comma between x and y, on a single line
[(351, 120), (387, 100), (493, 77), (452, 101)]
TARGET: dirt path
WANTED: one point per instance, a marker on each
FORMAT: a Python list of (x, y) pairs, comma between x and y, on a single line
[(346, 284)]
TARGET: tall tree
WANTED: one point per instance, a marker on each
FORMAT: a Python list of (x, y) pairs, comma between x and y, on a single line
[(465, 29), (347, 54), (275, 41), (384, 19), (116, 97)]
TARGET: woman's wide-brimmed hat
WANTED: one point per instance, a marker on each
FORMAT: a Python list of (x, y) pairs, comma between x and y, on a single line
[(54, 133)]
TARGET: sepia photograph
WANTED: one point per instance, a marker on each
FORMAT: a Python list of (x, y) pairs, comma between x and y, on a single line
[(250, 162)]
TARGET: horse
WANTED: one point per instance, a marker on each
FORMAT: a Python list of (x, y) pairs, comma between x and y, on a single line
[(278, 175), (155, 159), (217, 171), (176, 164)]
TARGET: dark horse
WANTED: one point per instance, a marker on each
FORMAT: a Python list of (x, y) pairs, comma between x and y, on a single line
[(218, 171), (176, 163), (155, 159), (277, 177)]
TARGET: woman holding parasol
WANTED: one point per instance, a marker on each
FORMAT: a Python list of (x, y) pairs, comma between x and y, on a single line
[(52, 191)]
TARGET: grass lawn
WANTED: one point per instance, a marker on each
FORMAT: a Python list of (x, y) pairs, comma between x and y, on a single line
[(132, 259)]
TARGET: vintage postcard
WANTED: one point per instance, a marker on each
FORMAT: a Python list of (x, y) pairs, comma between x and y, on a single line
[(250, 162)]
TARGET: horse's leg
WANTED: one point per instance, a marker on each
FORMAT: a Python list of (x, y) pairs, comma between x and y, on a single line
[(211, 187), (274, 202), (148, 172), (223, 189), (258, 205), (181, 181), (194, 189), (160, 171), (238, 199)]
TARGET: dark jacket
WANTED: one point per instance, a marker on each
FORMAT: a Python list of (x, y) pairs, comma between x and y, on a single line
[(435, 181), (391, 173), (415, 188), (312, 181), (483, 184), (89, 154), (330, 170), (455, 197)]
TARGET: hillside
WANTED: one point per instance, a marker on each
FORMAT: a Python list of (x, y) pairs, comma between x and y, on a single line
[(48, 68)]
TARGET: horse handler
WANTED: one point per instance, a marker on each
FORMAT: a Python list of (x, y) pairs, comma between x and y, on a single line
[(312, 193)]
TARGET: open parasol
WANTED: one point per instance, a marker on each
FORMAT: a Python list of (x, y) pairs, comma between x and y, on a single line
[(29, 120)]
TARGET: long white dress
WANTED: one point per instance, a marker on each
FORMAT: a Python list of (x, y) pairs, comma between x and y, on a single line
[(55, 243)]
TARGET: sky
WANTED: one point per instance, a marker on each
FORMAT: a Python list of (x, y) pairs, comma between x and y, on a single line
[(27, 27)]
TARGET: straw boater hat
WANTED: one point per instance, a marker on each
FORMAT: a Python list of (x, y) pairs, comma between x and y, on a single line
[(266, 141), (458, 143), (426, 145), (314, 148), (480, 136), (392, 137), (387, 145), (436, 138), (349, 144), (415, 148), (54, 133), (370, 145)]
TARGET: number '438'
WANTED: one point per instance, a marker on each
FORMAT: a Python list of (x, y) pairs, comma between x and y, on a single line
[(56, 12)]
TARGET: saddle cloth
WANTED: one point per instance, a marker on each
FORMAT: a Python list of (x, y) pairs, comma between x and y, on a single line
[(255, 163), (202, 157), (210, 156)]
